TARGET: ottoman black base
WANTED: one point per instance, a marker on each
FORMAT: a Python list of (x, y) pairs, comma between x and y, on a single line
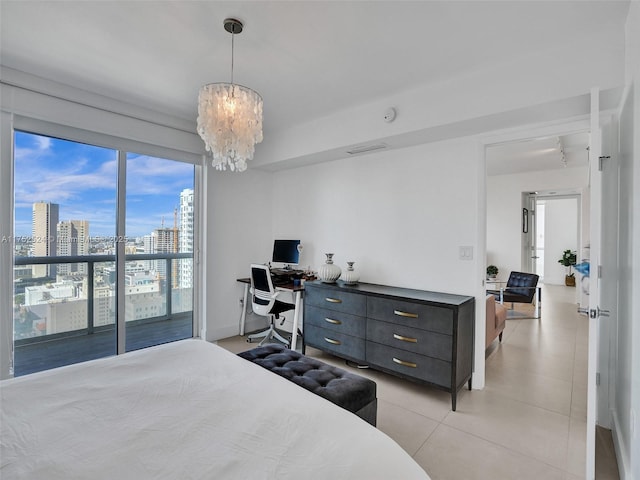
[(347, 390)]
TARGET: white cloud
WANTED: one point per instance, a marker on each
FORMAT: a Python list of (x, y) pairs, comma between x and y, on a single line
[(83, 179), (149, 175), (44, 143)]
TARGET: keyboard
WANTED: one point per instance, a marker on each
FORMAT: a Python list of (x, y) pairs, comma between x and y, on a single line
[(281, 276), (283, 272), (280, 281)]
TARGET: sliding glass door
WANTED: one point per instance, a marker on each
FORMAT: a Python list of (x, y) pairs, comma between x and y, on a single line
[(65, 211), (67, 279), (159, 266)]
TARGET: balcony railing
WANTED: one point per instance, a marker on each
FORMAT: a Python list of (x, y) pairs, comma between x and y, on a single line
[(53, 349)]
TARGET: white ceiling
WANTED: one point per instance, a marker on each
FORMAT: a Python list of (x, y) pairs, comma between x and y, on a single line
[(306, 58), (545, 153)]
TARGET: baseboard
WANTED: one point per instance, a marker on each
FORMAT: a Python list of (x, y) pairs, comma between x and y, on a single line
[(251, 325), (619, 446)]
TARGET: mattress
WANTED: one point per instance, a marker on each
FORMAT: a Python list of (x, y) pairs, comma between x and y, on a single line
[(184, 410)]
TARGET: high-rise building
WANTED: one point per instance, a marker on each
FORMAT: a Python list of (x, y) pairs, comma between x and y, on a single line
[(149, 246), (43, 227), (164, 241), (73, 239), (186, 237)]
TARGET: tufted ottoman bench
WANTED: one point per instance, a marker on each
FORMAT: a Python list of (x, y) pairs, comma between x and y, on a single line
[(347, 390)]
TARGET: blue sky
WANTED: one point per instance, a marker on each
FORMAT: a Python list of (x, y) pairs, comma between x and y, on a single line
[(82, 180)]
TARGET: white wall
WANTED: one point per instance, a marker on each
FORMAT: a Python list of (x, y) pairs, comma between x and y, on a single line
[(401, 216), (561, 233), (238, 232), (634, 55)]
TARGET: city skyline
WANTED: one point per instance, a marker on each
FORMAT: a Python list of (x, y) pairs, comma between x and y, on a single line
[(82, 179)]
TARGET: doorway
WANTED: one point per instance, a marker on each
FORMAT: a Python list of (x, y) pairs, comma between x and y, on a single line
[(531, 181), (519, 172), (553, 227)]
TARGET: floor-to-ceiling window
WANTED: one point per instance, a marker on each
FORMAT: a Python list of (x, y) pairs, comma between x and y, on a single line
[(158, 274), (81, 244)]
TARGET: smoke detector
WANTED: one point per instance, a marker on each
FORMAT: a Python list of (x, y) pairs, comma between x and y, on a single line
[(389, 114)]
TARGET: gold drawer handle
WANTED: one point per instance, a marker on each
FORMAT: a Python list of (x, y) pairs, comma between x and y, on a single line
[(400, 313), (403, 363), (332, 342), (405, 339), (333, 300), (331, 320)]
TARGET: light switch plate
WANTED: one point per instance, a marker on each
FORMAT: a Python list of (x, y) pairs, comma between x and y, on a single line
[(466, 253)]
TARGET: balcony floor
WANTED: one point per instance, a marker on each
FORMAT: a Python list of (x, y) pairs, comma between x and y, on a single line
[(46, 354)]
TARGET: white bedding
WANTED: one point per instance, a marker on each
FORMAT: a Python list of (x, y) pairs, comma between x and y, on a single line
[(185, 410)]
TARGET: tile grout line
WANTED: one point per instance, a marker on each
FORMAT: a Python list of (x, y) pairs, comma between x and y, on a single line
[(510, 450)]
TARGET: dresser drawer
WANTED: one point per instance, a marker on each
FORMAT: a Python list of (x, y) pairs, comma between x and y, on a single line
[(429, 369), (335, 342), (335, 321), (410, 339), (336, 300), (418, 315)]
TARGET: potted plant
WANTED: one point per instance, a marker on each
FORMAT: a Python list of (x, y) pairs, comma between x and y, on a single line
[(492, 271), (569, 260)]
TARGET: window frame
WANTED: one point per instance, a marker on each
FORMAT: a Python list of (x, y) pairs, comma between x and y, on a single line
[(10, 123)]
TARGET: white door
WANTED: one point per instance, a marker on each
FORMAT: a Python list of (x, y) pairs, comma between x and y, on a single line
[(609, 273), (595, 148), (602, 259)]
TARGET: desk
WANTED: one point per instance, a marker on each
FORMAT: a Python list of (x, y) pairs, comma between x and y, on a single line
[(297, 291)]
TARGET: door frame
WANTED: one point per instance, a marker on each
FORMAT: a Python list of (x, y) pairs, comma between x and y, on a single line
[(6, 245)]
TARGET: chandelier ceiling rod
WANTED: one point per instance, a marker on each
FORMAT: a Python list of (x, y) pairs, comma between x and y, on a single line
[(234, 27)]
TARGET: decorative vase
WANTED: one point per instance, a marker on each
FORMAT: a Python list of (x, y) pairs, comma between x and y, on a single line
[(329, 272), (350, 277)]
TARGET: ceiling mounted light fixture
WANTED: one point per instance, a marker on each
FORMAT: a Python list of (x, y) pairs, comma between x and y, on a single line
[(563, 158), (230, 117)]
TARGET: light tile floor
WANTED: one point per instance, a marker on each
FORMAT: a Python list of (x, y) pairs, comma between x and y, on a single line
[(529, 422)]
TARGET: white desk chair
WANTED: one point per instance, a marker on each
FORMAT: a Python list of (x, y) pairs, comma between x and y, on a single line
[(264, 302)]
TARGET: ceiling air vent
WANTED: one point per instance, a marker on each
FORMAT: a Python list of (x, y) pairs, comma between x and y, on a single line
[(366, 148)]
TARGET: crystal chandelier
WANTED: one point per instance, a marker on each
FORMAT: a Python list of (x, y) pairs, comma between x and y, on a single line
[(230, 117)]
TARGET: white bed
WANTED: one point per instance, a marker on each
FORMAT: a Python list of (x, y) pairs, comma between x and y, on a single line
[(185, 410)]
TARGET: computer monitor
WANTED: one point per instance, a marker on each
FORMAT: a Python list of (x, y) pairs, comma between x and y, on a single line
[(286, 251)]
